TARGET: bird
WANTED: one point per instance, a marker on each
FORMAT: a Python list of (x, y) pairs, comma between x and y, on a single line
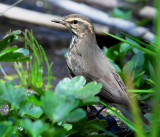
[(86, 58)]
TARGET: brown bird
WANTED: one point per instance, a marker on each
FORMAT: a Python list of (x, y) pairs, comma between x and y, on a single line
[(85, 58)]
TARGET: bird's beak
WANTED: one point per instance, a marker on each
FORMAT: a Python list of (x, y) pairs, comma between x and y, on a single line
[(60, 21)]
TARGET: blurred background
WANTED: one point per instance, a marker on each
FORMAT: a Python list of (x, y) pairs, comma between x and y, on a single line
[(134, 17)]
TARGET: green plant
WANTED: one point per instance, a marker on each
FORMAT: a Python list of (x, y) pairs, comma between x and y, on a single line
[(30, 73), (49, 113), (121, 13), (140, 75), (12, 54)]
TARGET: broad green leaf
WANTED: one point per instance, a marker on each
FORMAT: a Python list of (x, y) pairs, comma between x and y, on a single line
[(74, 87), (25, 52), (12, 36), (49, 103), (88, 90), (12, 95), (69, 86), (75, 115), (10, 56), (34, 129), (30, 110), (5, 127), (65, 108), (9, 49), (57, 107), (4, 43), (34, 100), (124, 48)]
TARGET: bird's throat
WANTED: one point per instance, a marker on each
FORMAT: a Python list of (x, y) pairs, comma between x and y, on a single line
[(73, 41)]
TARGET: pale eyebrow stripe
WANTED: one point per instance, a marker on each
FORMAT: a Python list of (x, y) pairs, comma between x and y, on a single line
[(81, 20)]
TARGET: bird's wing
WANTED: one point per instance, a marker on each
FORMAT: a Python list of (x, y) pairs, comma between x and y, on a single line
[(113, 89)]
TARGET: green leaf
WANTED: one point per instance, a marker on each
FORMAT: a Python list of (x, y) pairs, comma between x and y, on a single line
[(134, 45), (35, 128), (117, 68), (151, 70), (10, 56), (90, 89), (136, 41), (138, 79), (113, 52), (16, 32), (142, 90), (25, 52), (94, 125), (57, 107), (135, 50), (67, 126), (54, 132), (9, 49), (125, 48), (120, 13), (145, 97), (135, 65), (12, 36), (5, 127), (90, 100), (4, 43), (10, 94), (30, 110), (76, 115), (85, 127), (33, 99), (68, 86), (74, 87)]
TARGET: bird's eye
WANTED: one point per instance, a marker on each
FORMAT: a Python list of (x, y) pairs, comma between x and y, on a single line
[(75, 21)]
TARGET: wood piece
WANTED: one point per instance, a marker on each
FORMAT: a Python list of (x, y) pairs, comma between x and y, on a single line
[(148, 12), (145, 12), (104, 3), (38, 18), (104, 18)]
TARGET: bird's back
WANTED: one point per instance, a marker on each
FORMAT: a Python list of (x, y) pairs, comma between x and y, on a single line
[(90, 62)]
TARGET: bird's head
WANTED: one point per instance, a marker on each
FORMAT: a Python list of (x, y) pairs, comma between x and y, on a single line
[(77, 24)]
